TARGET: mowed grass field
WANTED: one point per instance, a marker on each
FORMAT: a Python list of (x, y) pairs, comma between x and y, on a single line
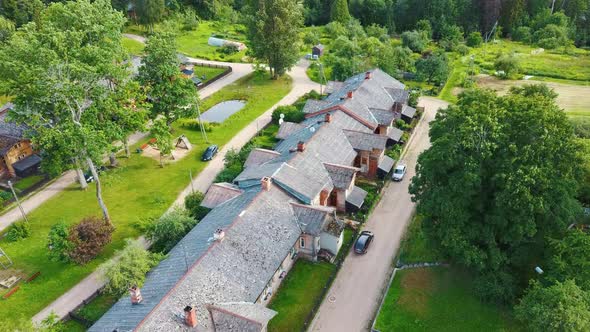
[(573, 98), (438, 299), (137, 190)]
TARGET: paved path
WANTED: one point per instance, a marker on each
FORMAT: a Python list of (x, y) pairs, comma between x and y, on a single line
[(359, 286), (34, 200), (84, 289)]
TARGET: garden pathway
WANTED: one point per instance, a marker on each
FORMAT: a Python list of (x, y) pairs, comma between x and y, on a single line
[(84, 289), (358, 288)]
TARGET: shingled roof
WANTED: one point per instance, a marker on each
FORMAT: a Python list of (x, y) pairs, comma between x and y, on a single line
[(287, 128), (342, 176), (240, 317), (219, 193), (260, 229), (365, 141), (260, 156)]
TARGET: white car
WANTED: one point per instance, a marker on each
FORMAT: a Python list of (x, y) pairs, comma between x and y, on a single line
[(399, 172)]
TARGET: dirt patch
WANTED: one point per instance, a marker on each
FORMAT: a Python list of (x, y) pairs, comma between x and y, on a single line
[(574, 99), (417, 287), (177, 154)]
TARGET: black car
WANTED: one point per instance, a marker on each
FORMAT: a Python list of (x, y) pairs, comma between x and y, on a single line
[(88, 175), (363, 241), (209, 153)]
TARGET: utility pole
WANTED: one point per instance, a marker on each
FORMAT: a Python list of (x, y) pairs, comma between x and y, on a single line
[(22, 211)]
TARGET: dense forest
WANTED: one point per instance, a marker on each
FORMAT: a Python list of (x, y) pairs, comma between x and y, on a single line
[(520, 19)]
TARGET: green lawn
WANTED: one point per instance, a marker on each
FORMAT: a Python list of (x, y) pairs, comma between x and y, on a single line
[(207, 72), (438, 299), (194, 43), (28, 182), (415, 247), (137, 190), (298, 294), (132, 46)]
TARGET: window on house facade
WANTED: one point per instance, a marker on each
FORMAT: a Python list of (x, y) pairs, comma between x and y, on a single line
[(301, 242)]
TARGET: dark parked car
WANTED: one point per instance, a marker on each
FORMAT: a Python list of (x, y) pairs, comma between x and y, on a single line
[(88, 175), (209, 153), (363, 241)]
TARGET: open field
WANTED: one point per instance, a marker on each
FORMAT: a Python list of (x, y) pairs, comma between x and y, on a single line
[(438, 299), (574, 99), (138, 189), (298, 294)]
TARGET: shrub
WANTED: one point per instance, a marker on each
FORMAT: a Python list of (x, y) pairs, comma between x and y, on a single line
[(507, 65), (228, 174), (522, 34), (474, 39), (414, 40), (58, 244), (169, 229), (292, 114), (581, 126), (335, 29), (192, 203), (19, 230), (129, 269), (189, 20), (451, 37), (88, 238), (551, 36), (311, 37), (433, 68), (5, 196), (377, 31), (413, 98), (425, 27), (194, 124), (462, 49), (228, 49)]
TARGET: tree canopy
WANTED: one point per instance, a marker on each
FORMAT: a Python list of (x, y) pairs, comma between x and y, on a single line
[(487, 188), (64, 73), (559, 307), (172, 95), (273, 31)]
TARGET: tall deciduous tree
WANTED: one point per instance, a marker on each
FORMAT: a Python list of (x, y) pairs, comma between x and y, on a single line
[(559, 307), (570, 259), (172, 95), (64, 74), (339, 11), (273, 31), (500, 174), (161, 133), (150, 12)]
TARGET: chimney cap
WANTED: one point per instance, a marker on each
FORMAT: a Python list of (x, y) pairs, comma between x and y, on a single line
[(188, 308)]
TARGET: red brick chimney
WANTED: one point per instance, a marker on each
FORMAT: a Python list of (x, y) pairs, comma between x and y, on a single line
[(349, 95), (301, 146), (328, 117), (190, 316), (135, 294), (266, 182), (368, 75)]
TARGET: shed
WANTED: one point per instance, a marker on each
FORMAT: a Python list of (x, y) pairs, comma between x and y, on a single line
[(27, 166), (355, 199), (317, 50), (385, 167), (394, 135)]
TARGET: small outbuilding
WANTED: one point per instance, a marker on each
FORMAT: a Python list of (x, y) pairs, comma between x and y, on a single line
[(317, 50)]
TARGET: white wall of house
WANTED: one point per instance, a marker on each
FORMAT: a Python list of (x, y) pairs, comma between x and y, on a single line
[(331, 242)]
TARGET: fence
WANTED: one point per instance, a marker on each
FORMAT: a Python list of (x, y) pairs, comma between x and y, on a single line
[(226, 72), (25, 192), (82, 320)]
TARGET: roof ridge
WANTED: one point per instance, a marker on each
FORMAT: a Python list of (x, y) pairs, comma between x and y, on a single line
[(227, 185), (268, 151), (342, 166), (320, 208), (214, 307), (179, 281)]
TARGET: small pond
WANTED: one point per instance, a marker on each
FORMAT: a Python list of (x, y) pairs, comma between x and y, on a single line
[(219, 112)]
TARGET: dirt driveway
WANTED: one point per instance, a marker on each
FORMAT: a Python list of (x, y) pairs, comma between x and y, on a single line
[(359, 286)]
